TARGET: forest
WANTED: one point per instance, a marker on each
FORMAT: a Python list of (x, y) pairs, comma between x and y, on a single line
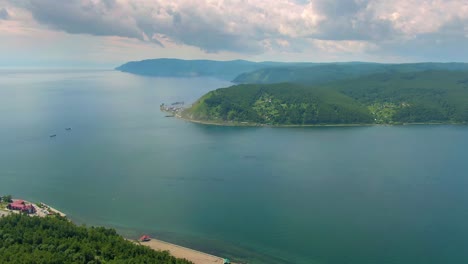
[(279, 104), (385, 98), (25, 239)]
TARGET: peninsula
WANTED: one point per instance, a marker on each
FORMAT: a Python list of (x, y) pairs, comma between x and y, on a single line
[(386, 98), (226, 70)]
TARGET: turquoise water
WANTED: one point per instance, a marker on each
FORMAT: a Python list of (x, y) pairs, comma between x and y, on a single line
[(330, 195)]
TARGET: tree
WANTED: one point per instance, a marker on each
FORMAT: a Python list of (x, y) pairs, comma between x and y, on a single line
[(25, 239), (7, 199)]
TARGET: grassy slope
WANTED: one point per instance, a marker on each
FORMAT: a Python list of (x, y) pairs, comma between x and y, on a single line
[(413, 97)]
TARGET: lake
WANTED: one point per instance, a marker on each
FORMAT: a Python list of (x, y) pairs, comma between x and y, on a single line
[(320, 195)]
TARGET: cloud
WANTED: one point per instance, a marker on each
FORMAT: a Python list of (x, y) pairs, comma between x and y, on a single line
[(350, 20), (448, 43), (413, 17), (100, 18), (262, 26), (213, 26), (4, 15)]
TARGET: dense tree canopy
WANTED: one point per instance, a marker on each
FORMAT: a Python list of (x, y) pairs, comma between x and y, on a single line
[(279, 104), (430, 96), (6, 198), (25, 239), (387, 98)]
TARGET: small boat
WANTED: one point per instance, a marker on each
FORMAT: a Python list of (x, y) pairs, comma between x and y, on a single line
[(68, 128), (144, 238), (54, 135), (169, 116)]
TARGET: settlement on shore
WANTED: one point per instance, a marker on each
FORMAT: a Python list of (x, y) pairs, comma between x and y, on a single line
[(22, 206), (43, 210)]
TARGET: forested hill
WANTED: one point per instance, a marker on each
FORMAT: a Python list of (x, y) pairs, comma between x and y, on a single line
[(430, 96), (193, 68), (325, 73), (25, 239), (278, 104), (388, 98)]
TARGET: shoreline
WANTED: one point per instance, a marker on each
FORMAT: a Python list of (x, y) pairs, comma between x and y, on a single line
[(41, 210), (195, 256), (178, 251), (249, 124)]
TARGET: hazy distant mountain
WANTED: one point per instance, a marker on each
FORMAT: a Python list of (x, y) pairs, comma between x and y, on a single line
[(241, 71), (329, 72), (190, 68)]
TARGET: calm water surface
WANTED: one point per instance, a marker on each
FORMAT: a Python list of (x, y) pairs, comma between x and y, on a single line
[(351, 195)]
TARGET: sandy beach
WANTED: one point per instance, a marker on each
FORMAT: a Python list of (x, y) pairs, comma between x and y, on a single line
[(196, 257)]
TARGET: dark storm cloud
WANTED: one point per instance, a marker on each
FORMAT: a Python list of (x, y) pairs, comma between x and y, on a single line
[(4, 15)]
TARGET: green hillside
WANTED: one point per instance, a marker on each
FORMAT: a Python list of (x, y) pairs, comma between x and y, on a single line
[(387, 98), (25, 239), (326, 73), (278, 104), (431, 96)]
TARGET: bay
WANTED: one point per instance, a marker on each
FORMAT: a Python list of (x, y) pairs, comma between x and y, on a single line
[(376, 194)]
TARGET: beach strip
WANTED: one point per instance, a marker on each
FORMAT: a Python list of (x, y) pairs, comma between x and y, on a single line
[(54, 210), (196, 257)]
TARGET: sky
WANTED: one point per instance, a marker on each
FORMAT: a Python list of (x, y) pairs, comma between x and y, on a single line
[(107, 33)]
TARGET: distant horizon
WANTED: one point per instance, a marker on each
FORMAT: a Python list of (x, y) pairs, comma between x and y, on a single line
[(112, 67)]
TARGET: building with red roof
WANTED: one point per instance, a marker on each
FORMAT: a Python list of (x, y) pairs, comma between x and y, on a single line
[(20, 205), (145, 238)]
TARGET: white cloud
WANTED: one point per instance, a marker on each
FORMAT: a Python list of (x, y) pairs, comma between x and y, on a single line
[(413, 17), (235, 25), (371, 29)]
